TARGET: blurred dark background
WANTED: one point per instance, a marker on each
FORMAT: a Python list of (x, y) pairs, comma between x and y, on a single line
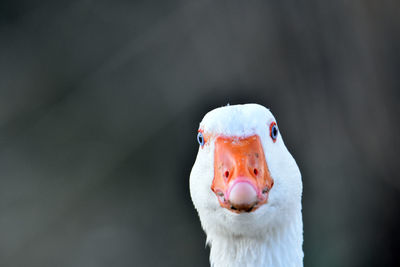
[(100, 103)]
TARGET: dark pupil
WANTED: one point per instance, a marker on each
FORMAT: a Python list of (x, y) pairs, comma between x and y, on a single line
[(274, 132), (200, 139)]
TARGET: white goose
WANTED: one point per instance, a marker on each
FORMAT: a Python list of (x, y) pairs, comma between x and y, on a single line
[(247, 189)]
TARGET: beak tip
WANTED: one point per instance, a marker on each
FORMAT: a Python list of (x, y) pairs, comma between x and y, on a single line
[(242, 193)]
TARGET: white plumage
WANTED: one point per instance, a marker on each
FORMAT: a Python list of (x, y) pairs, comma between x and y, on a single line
[(270, 235)]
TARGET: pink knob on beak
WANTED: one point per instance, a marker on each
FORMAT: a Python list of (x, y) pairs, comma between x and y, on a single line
[(242, 194)]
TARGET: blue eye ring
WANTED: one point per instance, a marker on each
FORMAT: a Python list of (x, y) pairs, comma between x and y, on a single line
[(200, 139), (273, 131)]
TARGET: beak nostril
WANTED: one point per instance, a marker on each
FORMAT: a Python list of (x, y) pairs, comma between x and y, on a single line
[(255, 171), (226, 174)]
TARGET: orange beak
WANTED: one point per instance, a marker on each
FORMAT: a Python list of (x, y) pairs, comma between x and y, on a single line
[(241, 176)]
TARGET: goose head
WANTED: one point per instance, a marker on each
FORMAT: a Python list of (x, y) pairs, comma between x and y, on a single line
[(244, 181)]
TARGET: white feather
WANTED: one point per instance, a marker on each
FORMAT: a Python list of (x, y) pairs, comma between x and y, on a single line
[(271, 235)]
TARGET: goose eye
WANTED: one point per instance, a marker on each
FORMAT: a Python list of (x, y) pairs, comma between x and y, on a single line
[(200, 138), (273, 131)]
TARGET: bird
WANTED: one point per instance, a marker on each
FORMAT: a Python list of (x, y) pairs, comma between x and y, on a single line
[(247, 189)]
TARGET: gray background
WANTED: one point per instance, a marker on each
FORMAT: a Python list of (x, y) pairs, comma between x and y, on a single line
[(100, 103)]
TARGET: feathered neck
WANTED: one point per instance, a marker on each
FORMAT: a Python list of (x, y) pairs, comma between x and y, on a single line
[(280, 245)]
